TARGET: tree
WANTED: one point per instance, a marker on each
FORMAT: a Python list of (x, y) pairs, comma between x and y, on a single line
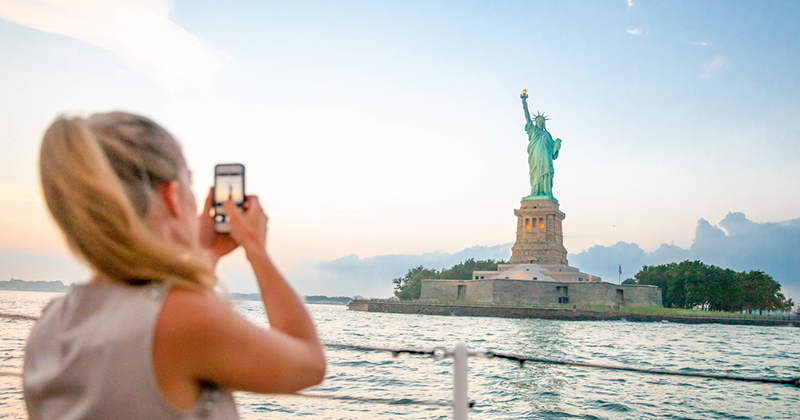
[(666, 277), (692, 284), (409, 286), (463, 271)]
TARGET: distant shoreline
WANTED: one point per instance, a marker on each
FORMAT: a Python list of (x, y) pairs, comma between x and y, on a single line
[(17, 285), (631, 314), (316, 300)]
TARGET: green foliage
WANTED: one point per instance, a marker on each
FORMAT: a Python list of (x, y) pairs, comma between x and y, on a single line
[(463, 271), (344, 300), (692, 284), (409, 286)]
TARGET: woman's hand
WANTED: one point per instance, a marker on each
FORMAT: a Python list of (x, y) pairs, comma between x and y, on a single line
[(219, 244), (248, 227)]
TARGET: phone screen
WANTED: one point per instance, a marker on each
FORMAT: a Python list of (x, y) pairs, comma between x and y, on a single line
[(228, 186)]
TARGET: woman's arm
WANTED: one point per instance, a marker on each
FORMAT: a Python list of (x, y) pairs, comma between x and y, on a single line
[(200, 338), (285, 310)]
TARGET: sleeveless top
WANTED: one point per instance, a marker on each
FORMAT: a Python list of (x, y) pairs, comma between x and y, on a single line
[(90, 356)]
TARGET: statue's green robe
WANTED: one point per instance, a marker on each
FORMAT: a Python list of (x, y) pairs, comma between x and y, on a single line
[(542, 149)]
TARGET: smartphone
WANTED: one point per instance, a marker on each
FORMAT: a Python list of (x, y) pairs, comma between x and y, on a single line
[(228, 186)]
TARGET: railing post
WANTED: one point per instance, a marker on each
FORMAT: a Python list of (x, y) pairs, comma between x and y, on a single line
[(460, 397)]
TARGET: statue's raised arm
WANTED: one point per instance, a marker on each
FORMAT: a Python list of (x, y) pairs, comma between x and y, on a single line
[(524, 97)]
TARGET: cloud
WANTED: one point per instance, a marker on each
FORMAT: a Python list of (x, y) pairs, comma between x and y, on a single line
[(701, 43), (372, 277), (711, 67), (738, 243), (630, 3), (637, 31), (139, 32)]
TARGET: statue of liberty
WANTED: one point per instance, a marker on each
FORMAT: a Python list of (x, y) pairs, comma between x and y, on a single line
[(542, 149)]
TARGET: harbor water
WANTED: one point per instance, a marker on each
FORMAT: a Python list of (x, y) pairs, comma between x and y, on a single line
[(501, 389)]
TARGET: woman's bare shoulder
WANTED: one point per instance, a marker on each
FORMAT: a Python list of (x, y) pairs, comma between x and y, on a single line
[(191, 315)]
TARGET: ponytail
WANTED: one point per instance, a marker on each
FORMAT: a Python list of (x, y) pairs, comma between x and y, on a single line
[(97, 177)]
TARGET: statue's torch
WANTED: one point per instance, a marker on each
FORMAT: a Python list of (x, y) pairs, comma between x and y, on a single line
[(524, 94)]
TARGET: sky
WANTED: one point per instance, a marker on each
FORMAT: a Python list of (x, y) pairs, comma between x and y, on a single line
[(391, 134)]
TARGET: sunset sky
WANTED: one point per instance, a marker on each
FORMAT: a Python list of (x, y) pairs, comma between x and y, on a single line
[(380, 129)]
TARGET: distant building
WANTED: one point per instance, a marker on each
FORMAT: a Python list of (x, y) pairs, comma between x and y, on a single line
[(532, 284), (539, 273)]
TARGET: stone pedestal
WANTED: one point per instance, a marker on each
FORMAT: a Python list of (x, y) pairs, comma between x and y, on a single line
[(539, 235)]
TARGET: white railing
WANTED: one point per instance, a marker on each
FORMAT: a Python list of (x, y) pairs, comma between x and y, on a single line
[(460, 397)]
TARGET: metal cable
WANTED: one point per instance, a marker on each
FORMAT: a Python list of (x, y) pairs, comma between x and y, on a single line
[(436, 352), (389, 401), (522, 360)]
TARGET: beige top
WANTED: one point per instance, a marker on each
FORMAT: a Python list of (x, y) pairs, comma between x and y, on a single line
[(90, 356)]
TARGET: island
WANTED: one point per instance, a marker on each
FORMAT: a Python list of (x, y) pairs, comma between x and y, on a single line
[(34, 286)]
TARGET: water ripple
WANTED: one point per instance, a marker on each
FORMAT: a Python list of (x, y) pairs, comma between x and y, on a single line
[(501, 389)]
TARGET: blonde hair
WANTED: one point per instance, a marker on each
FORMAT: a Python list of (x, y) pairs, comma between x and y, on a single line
[(98, 176)]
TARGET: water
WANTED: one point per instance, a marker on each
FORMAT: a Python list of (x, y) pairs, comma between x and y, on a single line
[(501, 389)]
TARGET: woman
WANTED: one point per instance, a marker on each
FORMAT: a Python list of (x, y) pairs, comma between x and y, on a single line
[(147, 338)]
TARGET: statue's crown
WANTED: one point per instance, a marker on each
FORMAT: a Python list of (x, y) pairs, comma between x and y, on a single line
[(540, 115)]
